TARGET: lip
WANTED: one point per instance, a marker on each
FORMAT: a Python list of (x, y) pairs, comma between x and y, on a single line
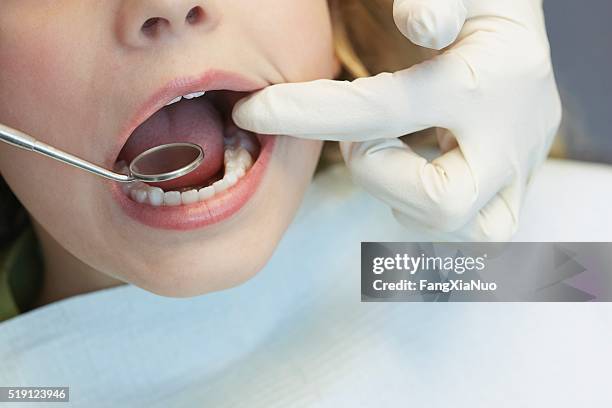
[(220, 207)]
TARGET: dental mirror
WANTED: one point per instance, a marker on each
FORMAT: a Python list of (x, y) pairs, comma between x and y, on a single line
[(162, 163)]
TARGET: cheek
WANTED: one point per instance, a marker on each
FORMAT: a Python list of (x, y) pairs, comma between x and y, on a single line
[(59, 199), (28, 63), (46, 72), (27, 77), (55, 195), (299, 40)]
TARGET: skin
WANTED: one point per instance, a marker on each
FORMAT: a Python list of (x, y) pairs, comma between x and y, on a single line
[(73, 72)]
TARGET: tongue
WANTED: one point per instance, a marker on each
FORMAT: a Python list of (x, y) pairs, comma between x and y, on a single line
[(193, 121)]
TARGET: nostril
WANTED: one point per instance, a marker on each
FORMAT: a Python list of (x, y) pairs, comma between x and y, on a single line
[(151, 27), (154, 27), (195, 16)]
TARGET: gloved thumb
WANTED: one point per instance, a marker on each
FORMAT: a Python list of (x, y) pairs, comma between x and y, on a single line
[(434, 24)]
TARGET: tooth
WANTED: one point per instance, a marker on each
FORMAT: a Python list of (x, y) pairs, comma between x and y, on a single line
[(127, 187), (245, 158), (194, 95), (230, 180), (139, 195), (220, 186), (172, 198), (229, 155), (156, 196), (234, 167), (175, 100), (189, 197), (206, 193), (139, 185), (240, 172), (237, 162)]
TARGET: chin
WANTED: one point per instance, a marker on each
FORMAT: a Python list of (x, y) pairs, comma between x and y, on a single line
[(189, 280)]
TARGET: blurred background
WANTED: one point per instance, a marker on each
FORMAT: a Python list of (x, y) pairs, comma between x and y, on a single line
[(581, 39)]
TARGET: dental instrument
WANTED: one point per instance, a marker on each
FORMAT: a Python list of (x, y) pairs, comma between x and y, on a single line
[(158, 164)]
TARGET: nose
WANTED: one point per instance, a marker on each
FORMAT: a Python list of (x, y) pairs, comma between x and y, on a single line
[(145, 22)]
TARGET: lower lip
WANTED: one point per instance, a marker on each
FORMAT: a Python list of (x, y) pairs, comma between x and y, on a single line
[(214, 211)]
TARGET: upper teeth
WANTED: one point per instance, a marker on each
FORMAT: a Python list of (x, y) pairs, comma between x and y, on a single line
[(188, 96)]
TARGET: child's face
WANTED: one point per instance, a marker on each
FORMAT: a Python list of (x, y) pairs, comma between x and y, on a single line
[(83, 75)]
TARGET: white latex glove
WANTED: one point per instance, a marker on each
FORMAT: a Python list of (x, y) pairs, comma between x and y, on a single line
[(493, 89)]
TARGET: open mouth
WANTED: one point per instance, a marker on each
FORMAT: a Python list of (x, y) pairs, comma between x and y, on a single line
[(202, 118), (233, 166)]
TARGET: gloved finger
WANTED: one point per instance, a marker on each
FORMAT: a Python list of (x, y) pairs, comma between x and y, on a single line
[(384, 106), (441, 194), (434, 24), (496, 222)]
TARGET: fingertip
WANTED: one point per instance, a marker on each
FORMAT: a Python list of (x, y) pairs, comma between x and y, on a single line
[(434, 25), (245, 116), (238, 113)]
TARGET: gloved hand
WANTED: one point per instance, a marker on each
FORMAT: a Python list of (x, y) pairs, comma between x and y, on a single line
[(493, 90)]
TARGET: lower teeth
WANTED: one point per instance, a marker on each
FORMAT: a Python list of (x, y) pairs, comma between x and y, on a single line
[(238, 161)]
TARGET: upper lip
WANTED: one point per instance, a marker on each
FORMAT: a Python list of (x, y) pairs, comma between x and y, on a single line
[(211, 80)]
